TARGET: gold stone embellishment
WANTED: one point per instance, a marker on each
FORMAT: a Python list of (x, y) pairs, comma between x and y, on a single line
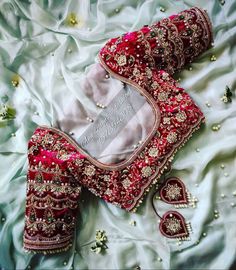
[(121, 60), (126, 182), (148, 72), (172, 225), (166, 120), (136, 72), (153, 152), (89, 170), (147, 171), (154, 85), (162, 96), (181, 116), (172, 137), (165, 76), (173, 192)]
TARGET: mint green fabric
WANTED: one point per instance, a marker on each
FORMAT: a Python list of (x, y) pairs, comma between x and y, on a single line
[(49, 56)]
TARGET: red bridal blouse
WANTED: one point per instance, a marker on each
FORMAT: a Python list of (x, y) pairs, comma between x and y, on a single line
[(59, 165)]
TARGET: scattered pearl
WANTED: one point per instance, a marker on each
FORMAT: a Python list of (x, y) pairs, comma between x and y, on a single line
[(36, 113), (197, 150), (179, 243), (117, 10), (89, 119), (216, 127), (213, 58), (226, 174), (132, 222), (204, 234), (71, 133), (196, 185), (222, 166), (222, 2), (216, 211), (29, 267), (15, 83), (65, 263), (208, 104), (232, 204), (3, 219), (197, 242), (190, 69), (13, 134), (107, 76), (159, 259), (162, 9), (234, 193), (216, 216), (212, 44), (69, 51), (222, 195), (137, 267), (89, 29)]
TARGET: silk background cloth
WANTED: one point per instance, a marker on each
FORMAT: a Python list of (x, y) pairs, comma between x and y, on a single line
[(49, 55)]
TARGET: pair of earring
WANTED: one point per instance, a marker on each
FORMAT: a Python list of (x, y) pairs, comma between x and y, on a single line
[(172, 223)]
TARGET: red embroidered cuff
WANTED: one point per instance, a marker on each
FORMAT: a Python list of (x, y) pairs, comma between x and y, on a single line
[(52, 194)]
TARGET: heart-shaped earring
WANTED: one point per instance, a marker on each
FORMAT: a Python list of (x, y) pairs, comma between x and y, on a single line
[(173, 225), (174, 192)]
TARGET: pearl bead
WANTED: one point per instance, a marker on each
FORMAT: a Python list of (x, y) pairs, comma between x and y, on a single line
[(232, 204), (71, 133), (69, 51), (13, 134), (65, 263), (222, 166), (222, 195), (234, 193), (196, 185), (107, 76), (3, 219), (213, 58), (204, 234), (162, 9), (208, 104), (159, 259), (226, 174), (190, 69), (117, 10), (36, 113), (216, 211), (89, 29), (197, 150), (216, 216)]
